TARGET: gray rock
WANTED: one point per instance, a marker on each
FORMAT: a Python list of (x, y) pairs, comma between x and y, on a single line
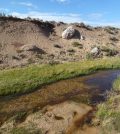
[(68, 33), (95, 50)]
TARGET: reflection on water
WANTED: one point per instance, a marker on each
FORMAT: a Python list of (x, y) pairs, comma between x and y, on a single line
[(102, 82)]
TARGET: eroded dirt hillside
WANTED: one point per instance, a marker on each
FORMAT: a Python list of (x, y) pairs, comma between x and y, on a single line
[(26, 41)]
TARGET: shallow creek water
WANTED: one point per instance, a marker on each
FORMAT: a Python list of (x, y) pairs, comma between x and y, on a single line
[(87, 89)]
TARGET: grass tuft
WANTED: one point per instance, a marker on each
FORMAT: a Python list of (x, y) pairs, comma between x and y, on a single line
[(109, 111), (116, 85)]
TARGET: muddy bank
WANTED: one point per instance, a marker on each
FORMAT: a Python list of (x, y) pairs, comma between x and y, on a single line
[(89, 89)]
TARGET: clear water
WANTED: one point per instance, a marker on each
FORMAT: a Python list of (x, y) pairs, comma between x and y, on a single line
[(91, 88)]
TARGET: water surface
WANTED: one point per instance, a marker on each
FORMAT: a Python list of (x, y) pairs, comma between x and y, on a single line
[(87, 89)]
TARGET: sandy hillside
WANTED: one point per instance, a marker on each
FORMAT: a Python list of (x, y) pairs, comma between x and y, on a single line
[(46, 36)]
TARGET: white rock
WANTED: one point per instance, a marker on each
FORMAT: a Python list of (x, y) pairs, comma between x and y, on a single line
[(82, 37), (95, 50), (68, 33)]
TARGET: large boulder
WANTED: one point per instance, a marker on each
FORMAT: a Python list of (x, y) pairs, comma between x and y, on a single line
[(68, 33)]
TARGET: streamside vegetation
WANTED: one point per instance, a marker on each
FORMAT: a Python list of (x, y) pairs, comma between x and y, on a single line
[(109, 111), (22, 80)]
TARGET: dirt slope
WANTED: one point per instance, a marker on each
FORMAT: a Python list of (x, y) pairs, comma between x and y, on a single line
[(15, 33)]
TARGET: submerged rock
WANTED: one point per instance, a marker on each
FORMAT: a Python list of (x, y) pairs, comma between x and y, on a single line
[(57, 119)]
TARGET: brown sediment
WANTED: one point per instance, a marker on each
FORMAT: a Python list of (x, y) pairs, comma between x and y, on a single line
[(78, 122)]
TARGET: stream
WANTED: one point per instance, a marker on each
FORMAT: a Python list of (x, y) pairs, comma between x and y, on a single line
[(91, 89)]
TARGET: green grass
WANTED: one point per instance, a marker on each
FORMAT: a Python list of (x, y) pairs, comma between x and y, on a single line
[(21, 80), (116, 85), (109, 111), (109, 115)]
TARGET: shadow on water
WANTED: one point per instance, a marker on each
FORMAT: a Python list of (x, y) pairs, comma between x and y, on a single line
[(101, 83), (87, 89)]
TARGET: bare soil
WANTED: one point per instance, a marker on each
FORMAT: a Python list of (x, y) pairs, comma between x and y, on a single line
[(15, 33)]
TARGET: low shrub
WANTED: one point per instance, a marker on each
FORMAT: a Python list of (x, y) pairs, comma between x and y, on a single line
[(77, 44), (109, 51), (89, 56), (114, 39), (57, 46), (111, 30), (71, 50)]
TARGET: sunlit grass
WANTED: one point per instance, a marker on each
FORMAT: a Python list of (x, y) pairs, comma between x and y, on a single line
[(116, 85), (27, 79), (109, 111)]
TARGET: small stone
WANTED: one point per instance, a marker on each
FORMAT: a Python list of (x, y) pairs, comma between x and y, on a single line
[(95, 50)]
